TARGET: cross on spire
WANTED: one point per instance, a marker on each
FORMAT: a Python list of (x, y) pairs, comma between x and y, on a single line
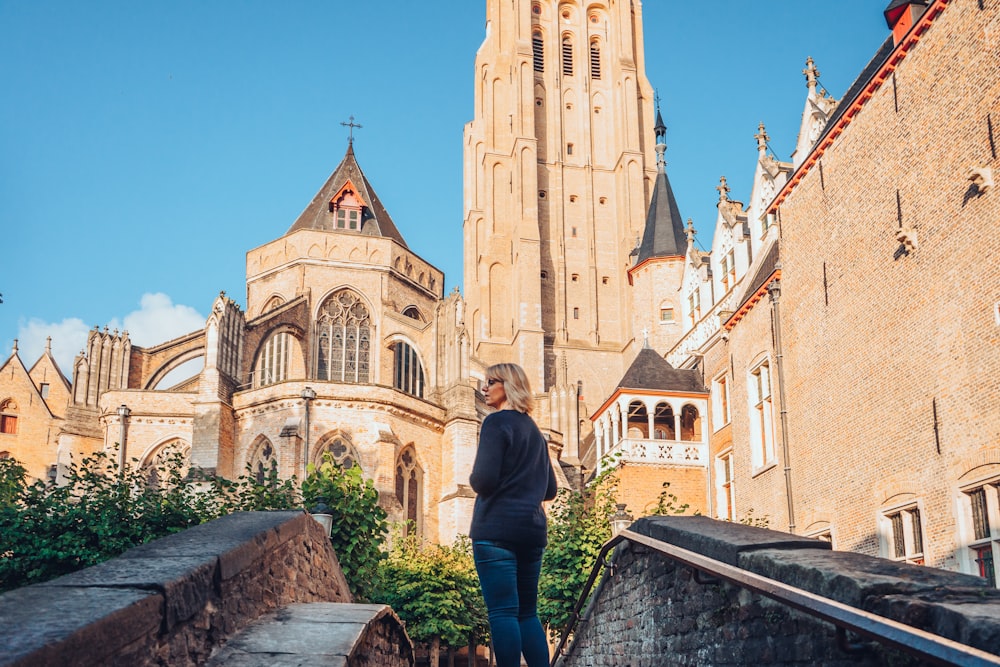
[(351, 125)]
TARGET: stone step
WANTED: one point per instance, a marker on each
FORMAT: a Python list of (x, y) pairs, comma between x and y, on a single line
[(319, 633)]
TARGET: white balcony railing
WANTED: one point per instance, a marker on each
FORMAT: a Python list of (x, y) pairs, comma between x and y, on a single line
[(663, 452)]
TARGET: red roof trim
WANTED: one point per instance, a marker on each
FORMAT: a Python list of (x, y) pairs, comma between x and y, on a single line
[(751, 302), (890, 65)]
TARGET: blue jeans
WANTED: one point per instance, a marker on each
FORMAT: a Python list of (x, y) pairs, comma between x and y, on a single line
[(508, 575)]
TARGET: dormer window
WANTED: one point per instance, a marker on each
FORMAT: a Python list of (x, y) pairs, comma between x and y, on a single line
[(347, 208)]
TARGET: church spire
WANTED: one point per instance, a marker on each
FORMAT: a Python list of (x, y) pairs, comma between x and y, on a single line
[(664, 232)]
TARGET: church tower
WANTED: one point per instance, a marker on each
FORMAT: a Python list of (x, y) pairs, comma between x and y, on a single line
[(559, 169)]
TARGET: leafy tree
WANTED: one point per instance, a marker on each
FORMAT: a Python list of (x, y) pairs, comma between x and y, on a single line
[(579, 525), (435, 590), (359, 523)]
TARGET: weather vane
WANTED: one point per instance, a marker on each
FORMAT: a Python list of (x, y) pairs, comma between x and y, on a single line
[(351, 125)]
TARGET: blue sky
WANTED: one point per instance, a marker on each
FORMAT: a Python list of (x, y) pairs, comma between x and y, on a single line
[(146, 146)]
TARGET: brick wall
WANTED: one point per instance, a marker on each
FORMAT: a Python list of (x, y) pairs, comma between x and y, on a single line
[(893, 359), (172, 601), (653, 611)]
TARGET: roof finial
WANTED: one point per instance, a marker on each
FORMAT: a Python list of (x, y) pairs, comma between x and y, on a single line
[(351, 125), (723, 189), (645, 337), (48, 344), (761, 137), (690, 231), (661, 139), (14, 351), (811, 72)]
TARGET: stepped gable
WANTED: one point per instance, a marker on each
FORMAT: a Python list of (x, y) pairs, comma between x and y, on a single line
[(650, 371), (375, 220)]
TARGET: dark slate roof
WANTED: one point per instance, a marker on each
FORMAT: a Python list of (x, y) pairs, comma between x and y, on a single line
[(651, 371), (768, 263), (375, 221), (664, 234)]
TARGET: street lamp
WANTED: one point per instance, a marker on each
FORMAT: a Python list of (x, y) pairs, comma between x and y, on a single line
[(620, 520), (123, 415), (321, 512)]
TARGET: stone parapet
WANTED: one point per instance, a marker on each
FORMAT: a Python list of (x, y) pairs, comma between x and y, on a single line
[(172, 601), (654, 611)]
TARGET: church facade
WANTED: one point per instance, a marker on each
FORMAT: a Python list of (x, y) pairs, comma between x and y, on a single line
[(830, 367)]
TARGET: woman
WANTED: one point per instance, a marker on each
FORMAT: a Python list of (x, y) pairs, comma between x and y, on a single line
[(512, 475)]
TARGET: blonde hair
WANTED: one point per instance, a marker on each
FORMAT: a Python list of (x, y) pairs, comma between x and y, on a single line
[(515, 386)]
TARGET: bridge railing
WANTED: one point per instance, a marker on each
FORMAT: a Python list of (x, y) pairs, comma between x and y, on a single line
[(909, 640)]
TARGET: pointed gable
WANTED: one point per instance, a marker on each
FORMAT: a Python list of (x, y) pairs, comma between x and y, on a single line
[(348, 187), (50, 382)]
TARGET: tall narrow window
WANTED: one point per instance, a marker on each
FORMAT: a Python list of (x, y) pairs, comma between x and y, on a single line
[(8, 417), (409, 372), (272, 360), (567, 56), (761, 416), (409, 481), (904, 535), (694, 307), (724, 487), (984, 515), (343, 339), (538, 51), (720, 402), (595, 60), (728, 271)]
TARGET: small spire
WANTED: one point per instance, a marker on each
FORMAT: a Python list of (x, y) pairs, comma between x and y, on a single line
[(690, 231), (723, 189), (762, 138), (48, 344), (811, 72), (14, 351), (645, 338), (661, 140)]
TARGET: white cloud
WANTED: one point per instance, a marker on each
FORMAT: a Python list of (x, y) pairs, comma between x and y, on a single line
[(157, 320), (68, 338)]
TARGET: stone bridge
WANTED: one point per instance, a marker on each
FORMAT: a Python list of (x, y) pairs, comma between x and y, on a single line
[(264, 588)]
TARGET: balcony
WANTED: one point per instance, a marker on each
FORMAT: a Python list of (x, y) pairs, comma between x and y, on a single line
[(657, 452)]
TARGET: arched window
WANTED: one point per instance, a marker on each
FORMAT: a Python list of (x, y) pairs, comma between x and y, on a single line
[(8, 417), (638, 420), (272, 303), (409, 482), (567, 56), (663, 422), (538, 51), (263, 459), (595, 60), (690, 423), (159, 464), (343, 339), (272, 360), (342, 451), (413, 313), (408, 372)]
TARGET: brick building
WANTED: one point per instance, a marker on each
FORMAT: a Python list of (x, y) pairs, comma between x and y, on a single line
[(831, 366)]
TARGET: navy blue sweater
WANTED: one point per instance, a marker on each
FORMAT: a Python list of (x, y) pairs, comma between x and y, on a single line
[(512, 475)]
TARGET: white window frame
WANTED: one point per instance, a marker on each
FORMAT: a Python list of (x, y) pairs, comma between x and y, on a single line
[(721, 402), (970, 544), (761, 407), (911, 552), (725, 487), (273, 361)]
